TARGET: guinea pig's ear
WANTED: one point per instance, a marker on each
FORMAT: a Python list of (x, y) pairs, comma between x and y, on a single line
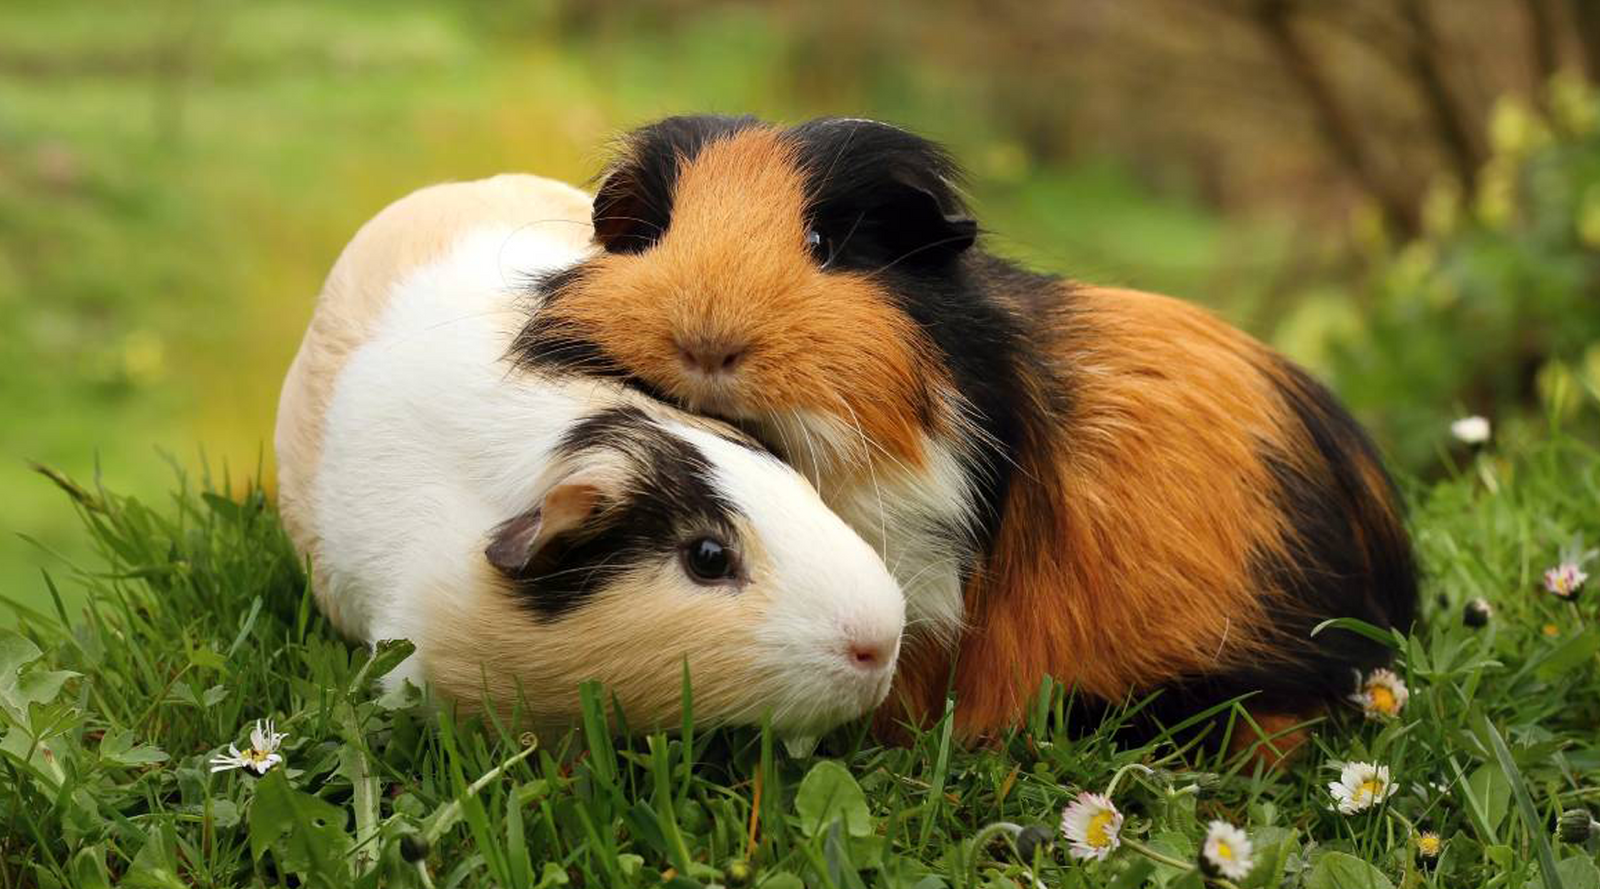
[(627, 217), (567, 508), (923, 217), (882, 196)]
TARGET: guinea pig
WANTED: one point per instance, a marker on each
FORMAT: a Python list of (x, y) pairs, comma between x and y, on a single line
[(530, 529), (1109, 487)]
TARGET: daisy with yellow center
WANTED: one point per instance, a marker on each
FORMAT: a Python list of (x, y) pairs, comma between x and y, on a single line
[(1565, 579), (1092, 825), (1429, 845), (1383, 694), (1361, 786), (259, 757), (1226, 852)]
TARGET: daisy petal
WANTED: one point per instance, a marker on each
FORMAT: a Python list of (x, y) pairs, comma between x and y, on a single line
[(1227, 852), (1092, 824)]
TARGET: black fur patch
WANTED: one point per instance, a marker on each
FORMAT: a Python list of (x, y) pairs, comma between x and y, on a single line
[(633, 207), (881, 197), (1350, 557), (550, 346), (670, 501), (545, 344)]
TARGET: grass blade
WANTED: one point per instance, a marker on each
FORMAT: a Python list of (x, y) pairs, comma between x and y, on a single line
[(1530, 817)]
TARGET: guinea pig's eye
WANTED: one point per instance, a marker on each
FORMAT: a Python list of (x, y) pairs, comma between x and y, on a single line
[(821, 248), (708, 561)]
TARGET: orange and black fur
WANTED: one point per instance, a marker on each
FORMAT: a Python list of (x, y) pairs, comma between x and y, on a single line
[(1131, 496)]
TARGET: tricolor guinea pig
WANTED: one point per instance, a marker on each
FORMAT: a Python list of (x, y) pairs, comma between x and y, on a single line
[(1109, 487), (530, 529)]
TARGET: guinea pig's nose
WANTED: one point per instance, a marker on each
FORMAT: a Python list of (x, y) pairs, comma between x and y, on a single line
[(711, 358), (865, 653)]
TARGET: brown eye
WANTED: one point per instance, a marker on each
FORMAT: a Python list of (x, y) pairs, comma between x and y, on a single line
[(708, 561), (821, 248)]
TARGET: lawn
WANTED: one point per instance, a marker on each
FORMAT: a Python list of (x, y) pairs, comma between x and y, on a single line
[(198, 622)]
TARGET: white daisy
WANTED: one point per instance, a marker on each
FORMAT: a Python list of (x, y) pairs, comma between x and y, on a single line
[(1227, 852), (1361, 786), (1092, 824), (1565, 579), (262, 755), (1471, 430), (1382, 694)]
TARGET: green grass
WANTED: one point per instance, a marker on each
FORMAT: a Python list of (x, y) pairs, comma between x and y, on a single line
[(198, 621)]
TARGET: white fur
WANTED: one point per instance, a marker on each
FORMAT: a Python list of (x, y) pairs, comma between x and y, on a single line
[(426, 446), (432, 439), (832, 587), (915, 520), (908, 516)]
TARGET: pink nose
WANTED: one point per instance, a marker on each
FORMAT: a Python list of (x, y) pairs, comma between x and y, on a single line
[(866, 654), (711, 358)]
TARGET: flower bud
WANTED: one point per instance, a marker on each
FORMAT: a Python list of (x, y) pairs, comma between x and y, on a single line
[(1034, 838), (738, 873), (1576, 826), (413, 847), (1206, 781)]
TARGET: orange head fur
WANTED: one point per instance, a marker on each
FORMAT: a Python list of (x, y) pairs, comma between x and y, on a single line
[(725, 306)]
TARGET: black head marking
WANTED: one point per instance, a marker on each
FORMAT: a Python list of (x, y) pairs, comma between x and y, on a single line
[(633, 206), (881, 196), (546, 343), (667, 502), (550, 345)]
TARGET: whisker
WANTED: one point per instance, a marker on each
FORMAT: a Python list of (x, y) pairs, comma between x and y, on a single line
[(913, 252), (872, 473), (833, 164), (609, 218)]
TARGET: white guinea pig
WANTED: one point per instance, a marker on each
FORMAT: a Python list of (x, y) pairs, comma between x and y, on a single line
[(530, 531)]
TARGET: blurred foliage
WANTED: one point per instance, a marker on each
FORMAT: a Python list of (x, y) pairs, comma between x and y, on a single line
[(1495, 310), (176, 177)]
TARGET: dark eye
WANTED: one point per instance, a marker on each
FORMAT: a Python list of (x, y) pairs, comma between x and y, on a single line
[(708, 561), (821, 248)]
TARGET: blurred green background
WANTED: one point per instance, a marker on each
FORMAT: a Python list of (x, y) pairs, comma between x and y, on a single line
[(1402, 194)]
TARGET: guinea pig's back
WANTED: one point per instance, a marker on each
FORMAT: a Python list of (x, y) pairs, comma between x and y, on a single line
[(1212, 505), (400, 364)]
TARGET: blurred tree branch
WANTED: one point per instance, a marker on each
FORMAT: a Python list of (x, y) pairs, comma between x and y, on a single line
[(1339, 126), (1542, 46), (1586, 18), (1425, 60)]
